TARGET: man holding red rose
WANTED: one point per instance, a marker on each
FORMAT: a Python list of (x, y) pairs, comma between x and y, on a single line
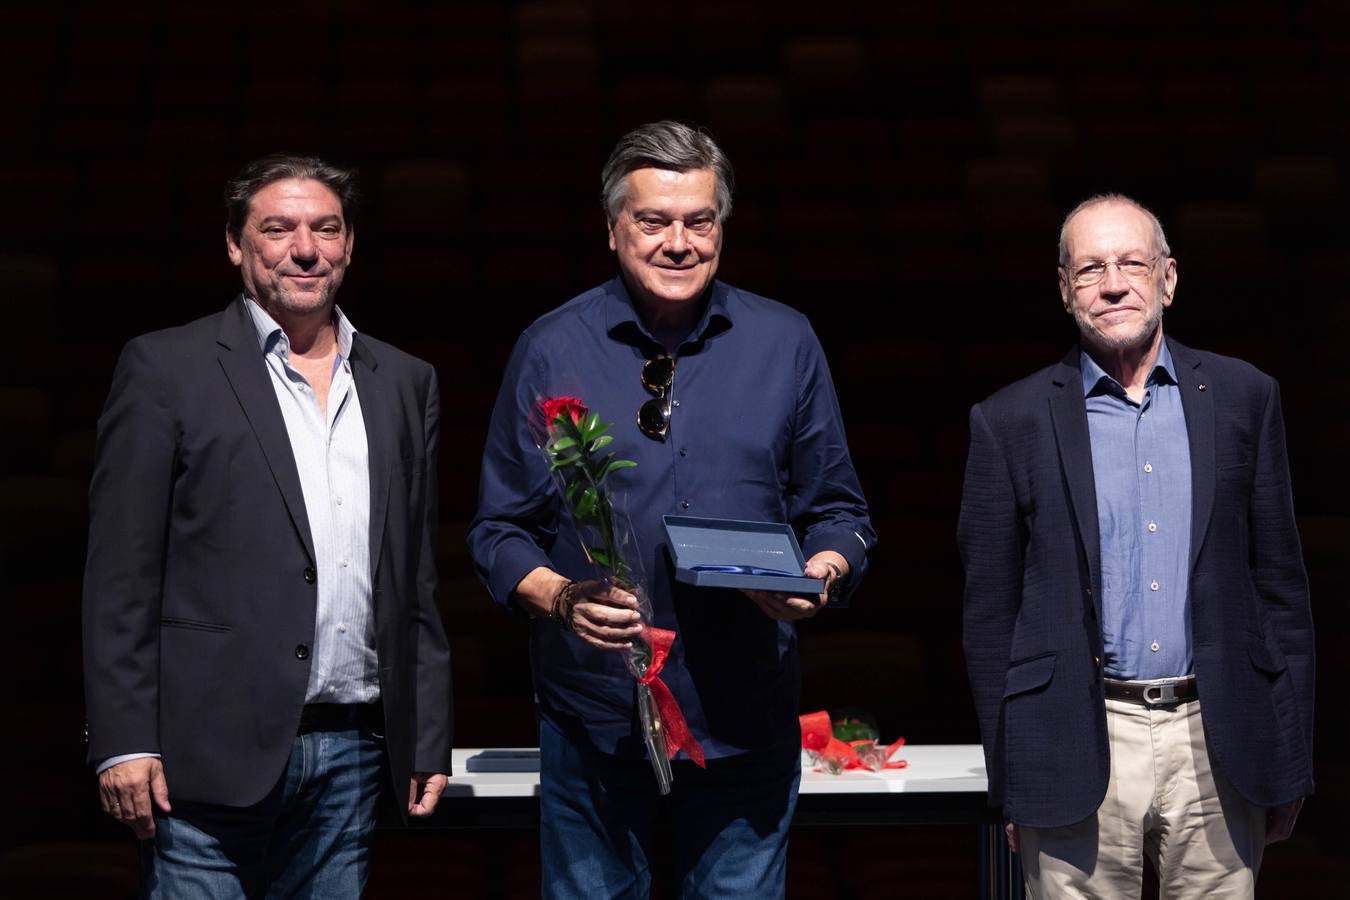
[(736, 418)]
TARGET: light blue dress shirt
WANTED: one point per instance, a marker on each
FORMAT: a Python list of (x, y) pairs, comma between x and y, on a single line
[(331, 456), (1141, 464)]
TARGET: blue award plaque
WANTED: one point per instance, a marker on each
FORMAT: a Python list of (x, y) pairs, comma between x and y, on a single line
[(727, 553)]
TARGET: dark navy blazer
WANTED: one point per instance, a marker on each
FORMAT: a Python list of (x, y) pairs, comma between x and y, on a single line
[(1029, 543)]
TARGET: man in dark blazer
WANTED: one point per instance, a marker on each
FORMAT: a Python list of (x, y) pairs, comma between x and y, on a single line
[(1137, 624), (262, 644)]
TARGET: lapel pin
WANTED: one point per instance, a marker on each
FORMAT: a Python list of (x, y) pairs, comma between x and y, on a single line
[(1201, 385)]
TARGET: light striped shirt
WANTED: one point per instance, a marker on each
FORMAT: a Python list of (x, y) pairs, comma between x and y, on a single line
[(331, 457)]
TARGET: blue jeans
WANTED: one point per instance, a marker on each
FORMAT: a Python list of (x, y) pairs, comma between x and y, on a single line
[(728, 823), (309, 837)]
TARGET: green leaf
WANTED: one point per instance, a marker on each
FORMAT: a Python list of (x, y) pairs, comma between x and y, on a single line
[(567, 428), (601, 442), (600, 556), (586, 504), (615, 464), (563, 443)]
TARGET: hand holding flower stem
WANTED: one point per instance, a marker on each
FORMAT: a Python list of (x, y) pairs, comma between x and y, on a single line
[(575, 446)]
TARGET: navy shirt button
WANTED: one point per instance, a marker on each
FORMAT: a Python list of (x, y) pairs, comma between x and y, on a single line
[(310, 576), (684, 504), (302, 651), (684, 451)]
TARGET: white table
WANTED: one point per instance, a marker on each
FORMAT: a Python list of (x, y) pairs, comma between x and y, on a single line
[(944, 784)]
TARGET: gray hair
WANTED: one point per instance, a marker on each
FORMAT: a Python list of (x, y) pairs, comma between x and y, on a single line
[(1159, 239), (668, 145), (258, 174)]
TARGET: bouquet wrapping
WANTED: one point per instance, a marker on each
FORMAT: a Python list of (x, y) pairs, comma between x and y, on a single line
[(574, 441), (847, 743)]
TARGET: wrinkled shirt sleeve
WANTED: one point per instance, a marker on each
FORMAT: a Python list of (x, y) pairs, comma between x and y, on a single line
[(825, 501), (517, 506)]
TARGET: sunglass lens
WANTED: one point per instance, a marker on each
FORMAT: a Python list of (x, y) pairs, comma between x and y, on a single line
[(653, 418), (658, 373)]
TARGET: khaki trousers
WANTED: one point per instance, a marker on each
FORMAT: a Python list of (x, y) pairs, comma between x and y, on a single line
[(1164, 801)]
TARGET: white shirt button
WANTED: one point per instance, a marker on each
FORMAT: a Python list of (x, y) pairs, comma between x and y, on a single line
[(1153, 646), (1152, 526), (342, 627), (1153, 586), (1148, 467)]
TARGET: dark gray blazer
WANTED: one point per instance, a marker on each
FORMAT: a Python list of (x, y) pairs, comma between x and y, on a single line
[(199, 589), (1033, 641)]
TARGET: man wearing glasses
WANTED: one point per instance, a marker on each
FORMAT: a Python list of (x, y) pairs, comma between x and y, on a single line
[(724, 400), (1137, 622)]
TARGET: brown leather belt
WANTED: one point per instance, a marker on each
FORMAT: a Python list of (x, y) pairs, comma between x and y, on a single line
[(1161, 693), (340, 716)]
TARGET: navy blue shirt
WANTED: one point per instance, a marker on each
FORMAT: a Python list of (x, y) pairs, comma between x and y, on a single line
[(1141, 462), (755, 434)]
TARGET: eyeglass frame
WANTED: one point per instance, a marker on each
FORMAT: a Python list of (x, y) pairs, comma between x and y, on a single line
[(660, 402), (1072, 276)]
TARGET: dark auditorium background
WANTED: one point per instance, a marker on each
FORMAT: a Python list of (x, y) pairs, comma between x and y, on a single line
[(902, 169)]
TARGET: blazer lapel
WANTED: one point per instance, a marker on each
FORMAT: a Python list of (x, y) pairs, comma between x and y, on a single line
[(1068, 414), (1198, 405), (377, 411), (240, 358)]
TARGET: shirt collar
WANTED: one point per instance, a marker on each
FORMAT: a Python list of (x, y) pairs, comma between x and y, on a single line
[(272, 339), (623, 322), (1096, 381)]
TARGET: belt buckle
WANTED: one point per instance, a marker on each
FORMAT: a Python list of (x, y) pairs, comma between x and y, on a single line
[(1166, 695)]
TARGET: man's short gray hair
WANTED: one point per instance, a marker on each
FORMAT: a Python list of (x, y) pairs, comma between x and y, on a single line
[(668, 145), (1160, 245)]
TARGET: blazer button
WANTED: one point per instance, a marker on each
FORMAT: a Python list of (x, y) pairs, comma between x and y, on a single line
[(302, 651), (310, 576)]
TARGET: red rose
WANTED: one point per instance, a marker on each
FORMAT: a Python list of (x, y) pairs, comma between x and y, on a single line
[(556, 406)]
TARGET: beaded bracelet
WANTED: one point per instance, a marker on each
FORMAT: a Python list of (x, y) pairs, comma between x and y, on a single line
[(560, 610)]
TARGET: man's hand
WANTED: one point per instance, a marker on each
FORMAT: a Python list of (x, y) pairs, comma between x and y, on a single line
[(424, 792), (604, 616), (127, 789), (1014, 837), (601, 615), (1280, 820), (786, 607)]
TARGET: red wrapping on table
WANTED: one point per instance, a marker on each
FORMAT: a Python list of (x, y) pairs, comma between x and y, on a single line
[(818, 737)]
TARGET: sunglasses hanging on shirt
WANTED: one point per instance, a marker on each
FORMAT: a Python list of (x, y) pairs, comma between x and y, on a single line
[(653, 418)]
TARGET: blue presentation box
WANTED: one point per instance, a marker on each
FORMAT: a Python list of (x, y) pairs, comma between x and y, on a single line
[(727, 553)]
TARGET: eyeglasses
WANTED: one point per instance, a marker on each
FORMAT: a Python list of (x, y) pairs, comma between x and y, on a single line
[(653, 417), (1131, 269)]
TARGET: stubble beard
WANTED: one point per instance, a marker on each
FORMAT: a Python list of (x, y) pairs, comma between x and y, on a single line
[(1141, 338), (288, 301)]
